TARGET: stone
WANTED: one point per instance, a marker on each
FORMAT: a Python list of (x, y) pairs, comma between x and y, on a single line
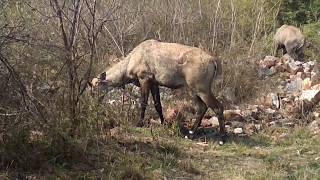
[(280, 67), (295, 85), (269, 61), (307, 67), (298, 63), (213, 121), (233, 115), (271, 100), (316, 87), (272, 71), (309, 94), (264, 71), (306, 83), (293, 68), (285, 59), (238, 131), (275, 100), (228, 128)]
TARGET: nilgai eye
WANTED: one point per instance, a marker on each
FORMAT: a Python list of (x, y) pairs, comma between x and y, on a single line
[(103, 75)]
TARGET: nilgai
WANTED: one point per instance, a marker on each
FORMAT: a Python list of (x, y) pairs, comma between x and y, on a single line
[(291, 40), (152, 64)]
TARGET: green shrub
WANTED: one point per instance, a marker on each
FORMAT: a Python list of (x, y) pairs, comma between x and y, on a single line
[(312, 33)]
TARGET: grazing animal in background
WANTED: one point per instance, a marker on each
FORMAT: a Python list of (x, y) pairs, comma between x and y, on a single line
[(291, 40), (152, 64)]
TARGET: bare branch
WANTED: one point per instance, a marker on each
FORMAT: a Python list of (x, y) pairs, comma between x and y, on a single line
[(75, 20), (56, 7)]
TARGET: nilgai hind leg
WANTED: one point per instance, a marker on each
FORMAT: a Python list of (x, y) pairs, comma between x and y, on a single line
[(217, 107), (201, 109)]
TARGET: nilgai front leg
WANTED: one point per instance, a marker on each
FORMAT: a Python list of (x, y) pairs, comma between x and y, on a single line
[(157, 103), (145, 89)]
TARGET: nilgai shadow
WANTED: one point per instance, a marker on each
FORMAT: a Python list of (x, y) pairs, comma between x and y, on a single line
[(212, 134)]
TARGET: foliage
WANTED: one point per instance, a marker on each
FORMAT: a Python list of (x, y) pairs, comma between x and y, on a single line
[(299, 12), (312, 33)]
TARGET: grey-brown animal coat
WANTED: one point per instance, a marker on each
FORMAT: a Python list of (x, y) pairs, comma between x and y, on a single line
[(152, 64), (291, 40)]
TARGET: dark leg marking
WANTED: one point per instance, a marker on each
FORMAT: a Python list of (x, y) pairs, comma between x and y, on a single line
[(157, 102), (145, 89)]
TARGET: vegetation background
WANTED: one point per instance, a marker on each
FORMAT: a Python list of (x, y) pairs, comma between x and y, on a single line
[(50, 125)]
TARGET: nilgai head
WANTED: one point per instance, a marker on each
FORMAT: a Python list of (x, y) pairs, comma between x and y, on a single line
[(113, 77), (100, 81)]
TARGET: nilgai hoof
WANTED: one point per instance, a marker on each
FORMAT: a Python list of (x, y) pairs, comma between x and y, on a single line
[(221, 142), (222, 139), (190, 135)]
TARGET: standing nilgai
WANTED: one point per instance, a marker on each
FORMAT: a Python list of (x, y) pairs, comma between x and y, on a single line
[(152, 64), (291, 40)]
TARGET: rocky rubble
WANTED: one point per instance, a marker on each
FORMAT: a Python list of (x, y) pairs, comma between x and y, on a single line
[(297, 95)]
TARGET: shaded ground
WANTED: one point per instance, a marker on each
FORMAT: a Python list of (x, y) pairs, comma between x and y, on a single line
[(161, 153)]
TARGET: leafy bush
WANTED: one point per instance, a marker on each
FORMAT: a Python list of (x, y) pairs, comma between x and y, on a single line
[(312, 33)]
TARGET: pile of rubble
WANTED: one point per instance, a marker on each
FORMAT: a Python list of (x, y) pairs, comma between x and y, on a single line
[(299, 90)]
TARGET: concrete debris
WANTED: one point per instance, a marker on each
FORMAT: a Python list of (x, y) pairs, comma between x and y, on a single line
[(295, 85), (214, 121), (294, 68), (269, 61), (306, 83), (233, 115), (238, 131), (316, 87), (309, 94), (271, 100)]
